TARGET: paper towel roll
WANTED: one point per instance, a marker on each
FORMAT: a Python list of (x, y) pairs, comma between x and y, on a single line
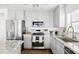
[(34, 39), (40, 39)]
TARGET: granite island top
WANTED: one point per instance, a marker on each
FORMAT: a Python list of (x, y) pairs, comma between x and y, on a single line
[(9, 46)]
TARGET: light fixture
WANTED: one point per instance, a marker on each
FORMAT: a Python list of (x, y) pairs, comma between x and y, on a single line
[(35, 5)]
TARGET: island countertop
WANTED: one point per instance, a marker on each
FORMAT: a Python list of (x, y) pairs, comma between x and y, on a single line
[(10, 46)]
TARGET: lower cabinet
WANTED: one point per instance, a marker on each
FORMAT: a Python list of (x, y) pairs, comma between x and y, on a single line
[(47, 40), (59, 47), (52, 44), (27, 41), (56, 46)]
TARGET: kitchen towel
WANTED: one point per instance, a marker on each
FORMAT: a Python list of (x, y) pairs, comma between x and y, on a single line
[(40, 39), (34, 39)]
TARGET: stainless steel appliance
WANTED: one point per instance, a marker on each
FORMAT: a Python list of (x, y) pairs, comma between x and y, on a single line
[(38, 23), (38, 40), (68, 51), (10, 29)]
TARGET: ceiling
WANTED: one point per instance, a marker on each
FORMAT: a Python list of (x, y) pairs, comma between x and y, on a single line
[(30, 7)]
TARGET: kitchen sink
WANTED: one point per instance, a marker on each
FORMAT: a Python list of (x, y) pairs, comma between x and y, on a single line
[(67, 39)]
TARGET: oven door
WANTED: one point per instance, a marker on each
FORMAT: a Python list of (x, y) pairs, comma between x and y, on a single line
[(37, 45), (37, 42)]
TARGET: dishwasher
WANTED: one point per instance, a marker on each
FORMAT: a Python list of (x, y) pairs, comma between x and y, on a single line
[(68, 51)]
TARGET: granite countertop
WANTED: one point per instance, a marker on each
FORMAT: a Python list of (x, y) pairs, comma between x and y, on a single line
[(74, 46), (7, 46)]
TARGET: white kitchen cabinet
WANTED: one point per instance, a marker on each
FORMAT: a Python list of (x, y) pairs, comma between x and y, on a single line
[(59, 16), (53, 45), (11, 14), (46, 39), (27, 41), (3, 18), (19, 14), (15, 14), (59, 47), (52, 42), (56, 46)]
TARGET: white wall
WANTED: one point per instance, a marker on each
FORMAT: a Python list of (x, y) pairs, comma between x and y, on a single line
[(46, 16)]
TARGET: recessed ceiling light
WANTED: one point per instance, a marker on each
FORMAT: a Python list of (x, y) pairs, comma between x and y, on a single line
[(35, 5)]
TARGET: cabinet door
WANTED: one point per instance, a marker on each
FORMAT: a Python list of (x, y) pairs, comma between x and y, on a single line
[(11, 14), (27, 41), (15, 13), (19, 14), (59, 47), (51, 42), (56, 46), (47, 40), (3, 17), (53, 45)]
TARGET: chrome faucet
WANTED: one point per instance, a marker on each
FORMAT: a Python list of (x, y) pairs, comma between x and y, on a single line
[(70, 27), (64, 30)]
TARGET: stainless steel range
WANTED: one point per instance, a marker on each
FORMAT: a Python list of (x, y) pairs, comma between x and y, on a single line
[(38, 40)]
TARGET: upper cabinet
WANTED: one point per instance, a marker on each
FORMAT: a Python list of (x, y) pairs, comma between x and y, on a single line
[(71, 7), (15, 14), (3, 18), (59, 16), (20, 14), (11, 14)]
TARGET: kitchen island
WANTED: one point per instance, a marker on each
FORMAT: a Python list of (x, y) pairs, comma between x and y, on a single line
[(10, 46)]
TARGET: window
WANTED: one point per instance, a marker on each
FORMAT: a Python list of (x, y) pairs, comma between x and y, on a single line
[(73, 19)]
